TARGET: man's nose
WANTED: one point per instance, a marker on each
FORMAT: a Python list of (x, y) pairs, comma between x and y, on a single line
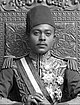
[(42, 37)]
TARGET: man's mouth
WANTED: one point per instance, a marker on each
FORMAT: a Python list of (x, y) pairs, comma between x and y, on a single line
[(41, 45)]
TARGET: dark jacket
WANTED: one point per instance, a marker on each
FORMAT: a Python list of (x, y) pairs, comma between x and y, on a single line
[(9, 87)]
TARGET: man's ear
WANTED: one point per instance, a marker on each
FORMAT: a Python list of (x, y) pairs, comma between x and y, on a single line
[(54, 38), (28, 39)]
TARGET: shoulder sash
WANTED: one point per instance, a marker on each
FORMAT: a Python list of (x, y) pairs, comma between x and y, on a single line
[(31, 77)]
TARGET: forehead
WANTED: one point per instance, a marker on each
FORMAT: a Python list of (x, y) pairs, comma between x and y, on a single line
[(43, 27)]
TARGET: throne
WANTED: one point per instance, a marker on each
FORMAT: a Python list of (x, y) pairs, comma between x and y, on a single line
[(13, 38)]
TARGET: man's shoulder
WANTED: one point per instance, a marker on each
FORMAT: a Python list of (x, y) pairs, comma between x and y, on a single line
[(70, 61), (9, 60)]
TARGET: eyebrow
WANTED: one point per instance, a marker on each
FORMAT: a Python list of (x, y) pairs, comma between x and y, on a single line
[(35, 30), (48, 30)]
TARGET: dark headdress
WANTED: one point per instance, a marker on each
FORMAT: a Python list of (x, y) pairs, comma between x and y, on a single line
[(39, 15)]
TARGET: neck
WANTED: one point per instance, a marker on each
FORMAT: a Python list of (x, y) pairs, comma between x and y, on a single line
[(39, 56)]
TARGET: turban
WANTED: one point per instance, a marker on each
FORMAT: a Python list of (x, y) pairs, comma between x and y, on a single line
[(38, 15)]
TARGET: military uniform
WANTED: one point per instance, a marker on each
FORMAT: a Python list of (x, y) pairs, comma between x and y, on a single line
[(61, 83), (56, 78)]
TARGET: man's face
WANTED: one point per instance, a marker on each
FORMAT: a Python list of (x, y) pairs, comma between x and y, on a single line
[(41, 38)]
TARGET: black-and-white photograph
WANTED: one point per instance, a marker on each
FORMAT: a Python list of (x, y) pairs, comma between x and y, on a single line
[(39, 52)]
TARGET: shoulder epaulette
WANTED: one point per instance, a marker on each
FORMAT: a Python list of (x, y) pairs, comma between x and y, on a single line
[(8, 61), (71, 62)]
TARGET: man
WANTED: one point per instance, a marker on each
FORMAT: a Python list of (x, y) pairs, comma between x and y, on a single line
[(39, 77)]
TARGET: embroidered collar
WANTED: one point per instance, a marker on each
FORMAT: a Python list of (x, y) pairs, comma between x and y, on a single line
[(35, 57)]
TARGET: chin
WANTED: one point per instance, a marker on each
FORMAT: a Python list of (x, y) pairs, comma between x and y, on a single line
[(41, 52)]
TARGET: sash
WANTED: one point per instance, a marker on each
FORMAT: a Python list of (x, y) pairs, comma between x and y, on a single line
[(31, 78)]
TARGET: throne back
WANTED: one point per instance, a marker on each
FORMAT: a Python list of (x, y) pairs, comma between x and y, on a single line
[(13, 38)]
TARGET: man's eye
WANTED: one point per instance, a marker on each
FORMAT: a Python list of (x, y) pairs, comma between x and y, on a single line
[(48, 33), (36, 33)]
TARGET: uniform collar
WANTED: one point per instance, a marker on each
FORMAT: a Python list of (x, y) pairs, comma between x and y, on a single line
[(35, 57)]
